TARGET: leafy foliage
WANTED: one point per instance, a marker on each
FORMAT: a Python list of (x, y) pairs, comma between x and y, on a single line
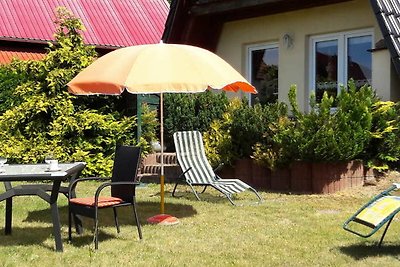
[(150, 125), (247, 128), (9, 80), (185, 112), (43, 117), (359, 127), (325, 134), (241, 128), (218, 143), (269, 152), (384, 148)]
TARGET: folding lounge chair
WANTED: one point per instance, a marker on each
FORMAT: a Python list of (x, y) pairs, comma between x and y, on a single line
[(197, 170), (372, 216)]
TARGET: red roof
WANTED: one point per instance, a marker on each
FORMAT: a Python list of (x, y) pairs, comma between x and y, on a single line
[(108, 22), (6, 55)]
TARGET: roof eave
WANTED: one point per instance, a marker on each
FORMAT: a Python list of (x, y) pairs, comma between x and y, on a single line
[(45, 42), (200, 22), (389, 37)]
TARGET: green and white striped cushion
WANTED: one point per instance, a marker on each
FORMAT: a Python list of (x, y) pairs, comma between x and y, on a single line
[(191, 155)]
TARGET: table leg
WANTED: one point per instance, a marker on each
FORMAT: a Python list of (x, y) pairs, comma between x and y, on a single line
[(56, 226), (55, 216), (8, 225)]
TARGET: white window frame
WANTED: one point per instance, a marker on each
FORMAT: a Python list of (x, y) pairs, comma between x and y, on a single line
[(249, 69), (342, 66)]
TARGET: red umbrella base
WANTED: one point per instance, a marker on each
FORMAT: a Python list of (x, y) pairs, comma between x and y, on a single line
[(163, 219)]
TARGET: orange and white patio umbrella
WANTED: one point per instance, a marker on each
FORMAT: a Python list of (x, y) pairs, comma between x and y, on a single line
[(157, 69)]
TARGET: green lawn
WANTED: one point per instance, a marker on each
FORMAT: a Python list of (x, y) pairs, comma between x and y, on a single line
[(285, 230)]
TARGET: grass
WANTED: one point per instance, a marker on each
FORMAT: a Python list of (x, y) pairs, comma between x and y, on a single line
[(285, 230)]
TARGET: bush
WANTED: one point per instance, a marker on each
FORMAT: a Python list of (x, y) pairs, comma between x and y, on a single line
[(241, 128), (247, 128), (187, 112), (9, 80), (149, 125), (383, 151), (218, 140), (327, 133), (269, 152), (359, 127), (49, 119), (353, 121)]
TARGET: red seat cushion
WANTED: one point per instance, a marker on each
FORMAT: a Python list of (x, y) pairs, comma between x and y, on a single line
[(103, 201)]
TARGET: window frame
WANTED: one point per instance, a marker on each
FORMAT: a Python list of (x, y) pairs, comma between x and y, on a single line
[(249, 68), (342, 65)]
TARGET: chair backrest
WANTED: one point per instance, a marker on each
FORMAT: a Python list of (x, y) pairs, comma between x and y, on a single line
[(190, 154), (126, 164)]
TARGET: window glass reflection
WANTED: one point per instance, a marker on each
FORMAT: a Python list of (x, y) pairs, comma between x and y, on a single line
[(359, 59), (264, 76), (326, 63)]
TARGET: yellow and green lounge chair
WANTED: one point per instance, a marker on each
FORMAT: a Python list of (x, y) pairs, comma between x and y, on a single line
[(379, 211)]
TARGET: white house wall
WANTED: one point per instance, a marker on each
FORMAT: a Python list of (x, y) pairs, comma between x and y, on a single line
[(382, 73), (294, 62)]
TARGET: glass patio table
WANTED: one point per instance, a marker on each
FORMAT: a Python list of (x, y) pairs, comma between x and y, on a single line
[(48, 192)]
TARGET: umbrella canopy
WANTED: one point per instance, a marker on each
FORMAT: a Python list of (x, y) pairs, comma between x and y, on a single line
[(157, 69)]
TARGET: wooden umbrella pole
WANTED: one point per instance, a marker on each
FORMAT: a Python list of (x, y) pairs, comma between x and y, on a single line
[(162, 218), (162, 154)]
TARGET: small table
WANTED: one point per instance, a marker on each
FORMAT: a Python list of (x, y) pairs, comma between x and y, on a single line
[(37, 172)]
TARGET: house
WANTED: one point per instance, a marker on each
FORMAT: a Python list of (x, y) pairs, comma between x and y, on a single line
[(316, 44), (26, 26)]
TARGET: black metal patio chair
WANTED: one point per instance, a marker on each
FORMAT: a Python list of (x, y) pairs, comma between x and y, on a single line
[(123, 184)]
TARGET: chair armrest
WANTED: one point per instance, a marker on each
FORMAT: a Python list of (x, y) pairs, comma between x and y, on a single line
[(74, 183), (7, 185), (182, 175), (105, 185)]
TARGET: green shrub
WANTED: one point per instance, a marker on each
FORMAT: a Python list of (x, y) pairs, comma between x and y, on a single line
[(384, 148), (247, 128), (359, 127), (49, 119), (9, 80), (297, 138), (241, 129), (218, 141), (186, 112), (150, 126), (353, 121), (327, 133), (269, 152)]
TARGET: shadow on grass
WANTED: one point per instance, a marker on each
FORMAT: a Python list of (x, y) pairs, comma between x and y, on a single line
[(145, 210), (213, 196), (37, 235), (362, 251), (28, 236)]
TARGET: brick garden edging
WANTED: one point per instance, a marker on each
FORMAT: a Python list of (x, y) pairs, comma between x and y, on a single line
[(299, 177)]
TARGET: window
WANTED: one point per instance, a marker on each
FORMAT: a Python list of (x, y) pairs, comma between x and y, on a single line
[(263, 72), (337, 58)]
